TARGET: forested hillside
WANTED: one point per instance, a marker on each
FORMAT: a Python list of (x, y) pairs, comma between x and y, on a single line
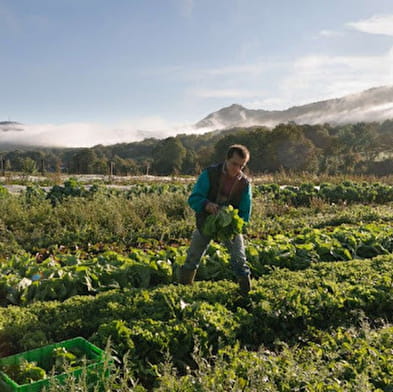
[(361, 148)]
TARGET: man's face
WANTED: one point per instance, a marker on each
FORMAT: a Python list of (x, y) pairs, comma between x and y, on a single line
[(235, 164)]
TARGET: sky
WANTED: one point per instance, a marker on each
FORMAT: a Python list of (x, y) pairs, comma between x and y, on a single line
[(86, 72)]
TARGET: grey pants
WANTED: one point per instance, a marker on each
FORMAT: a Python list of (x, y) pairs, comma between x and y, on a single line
[(199, 244)]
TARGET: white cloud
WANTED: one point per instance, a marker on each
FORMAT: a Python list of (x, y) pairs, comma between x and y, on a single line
[(377, 24), (305, 79), (320, 77)]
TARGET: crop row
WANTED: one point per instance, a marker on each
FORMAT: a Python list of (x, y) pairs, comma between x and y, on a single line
[(24, 279), (302, 195), (285, 306), (347, 191), (341, 360), (34, 225), (74, 188), (338, 361)]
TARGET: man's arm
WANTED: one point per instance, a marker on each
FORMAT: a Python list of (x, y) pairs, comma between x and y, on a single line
[(245, 205), (198, 198)]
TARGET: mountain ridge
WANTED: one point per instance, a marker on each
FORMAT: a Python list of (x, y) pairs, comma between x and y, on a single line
[(374, 104)]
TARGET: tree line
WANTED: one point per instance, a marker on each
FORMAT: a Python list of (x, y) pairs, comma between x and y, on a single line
[(361, 148)]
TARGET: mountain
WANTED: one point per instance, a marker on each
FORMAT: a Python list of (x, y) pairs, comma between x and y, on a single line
[(10, 126), (375, 104)]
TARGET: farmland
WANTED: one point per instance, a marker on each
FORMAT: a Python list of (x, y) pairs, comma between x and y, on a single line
[(102, 263)]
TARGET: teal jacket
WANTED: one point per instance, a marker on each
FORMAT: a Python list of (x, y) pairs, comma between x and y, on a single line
[(198, 198)]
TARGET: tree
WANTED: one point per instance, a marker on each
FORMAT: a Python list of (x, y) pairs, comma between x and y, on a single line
[(124, 167), (346, 139), (318, 134), (168, 156), (83, 161), (29, 166), (100, 166), (204, 158), (254, 139), (189, 163), (288, 148)]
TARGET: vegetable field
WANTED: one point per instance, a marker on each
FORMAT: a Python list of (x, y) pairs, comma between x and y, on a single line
[(103, 263)]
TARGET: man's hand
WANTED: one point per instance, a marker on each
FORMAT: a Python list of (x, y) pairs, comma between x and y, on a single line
[(212, 208)]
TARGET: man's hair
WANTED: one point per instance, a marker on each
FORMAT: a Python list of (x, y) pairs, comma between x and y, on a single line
[(239, 149)]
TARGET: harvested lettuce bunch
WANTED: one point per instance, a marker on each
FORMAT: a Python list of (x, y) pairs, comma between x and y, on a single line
[(224, 225), (24, 372)]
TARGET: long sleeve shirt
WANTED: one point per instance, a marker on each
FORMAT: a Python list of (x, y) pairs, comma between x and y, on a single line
[(199, 197)]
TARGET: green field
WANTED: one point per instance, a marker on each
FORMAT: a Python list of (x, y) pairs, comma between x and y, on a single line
[(102, 263)]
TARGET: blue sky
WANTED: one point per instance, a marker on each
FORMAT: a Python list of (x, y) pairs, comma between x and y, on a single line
[(81, 72)]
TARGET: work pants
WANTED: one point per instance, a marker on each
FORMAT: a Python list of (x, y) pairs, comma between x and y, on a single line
[(199, 244)]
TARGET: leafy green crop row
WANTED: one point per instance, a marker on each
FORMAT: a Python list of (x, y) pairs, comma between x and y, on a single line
[(302, 327), (347, 191), (342, 360), (73, 188), (24, 279), (343, 242), (287, 306), (30, 222)]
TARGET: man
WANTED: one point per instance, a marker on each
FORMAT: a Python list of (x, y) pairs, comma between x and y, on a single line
[(219, 185)]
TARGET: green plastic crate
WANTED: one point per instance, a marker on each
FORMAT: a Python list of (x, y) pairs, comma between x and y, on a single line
[(42, 356)]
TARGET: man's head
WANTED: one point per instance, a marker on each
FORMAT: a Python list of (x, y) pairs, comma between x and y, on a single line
[(237, 157)]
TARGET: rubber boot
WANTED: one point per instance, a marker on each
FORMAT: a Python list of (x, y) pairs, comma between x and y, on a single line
[(244, 284), (186, 276)]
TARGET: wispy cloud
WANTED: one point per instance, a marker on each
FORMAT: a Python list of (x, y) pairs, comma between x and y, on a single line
[(319, 77), (303, 80), (330, 33), (192, 73), (306, 79), (377, 24), (225, 93), (253, 69), (186, 7), (90, 134), (267, 103), (159, 71)]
